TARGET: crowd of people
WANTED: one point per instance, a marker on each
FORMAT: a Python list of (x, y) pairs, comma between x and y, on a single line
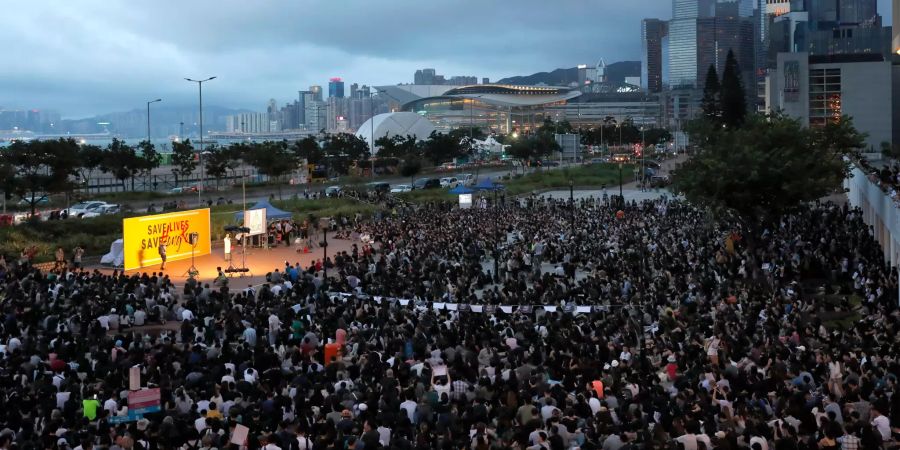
[(535, 324)]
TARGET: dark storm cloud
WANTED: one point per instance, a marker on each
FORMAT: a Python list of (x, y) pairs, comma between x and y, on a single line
[(93, 56)]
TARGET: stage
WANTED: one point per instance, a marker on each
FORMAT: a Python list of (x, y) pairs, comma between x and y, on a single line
[(260, 261)]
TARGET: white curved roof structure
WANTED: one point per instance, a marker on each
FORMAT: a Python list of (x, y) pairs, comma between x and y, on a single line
[(395, 124)]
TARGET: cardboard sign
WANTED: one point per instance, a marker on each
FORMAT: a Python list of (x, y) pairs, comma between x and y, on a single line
[(134, 378)]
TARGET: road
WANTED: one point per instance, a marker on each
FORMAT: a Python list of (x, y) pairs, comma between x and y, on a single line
[(257, 194)]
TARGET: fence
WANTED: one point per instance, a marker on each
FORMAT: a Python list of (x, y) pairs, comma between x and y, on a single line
[(167, 182)]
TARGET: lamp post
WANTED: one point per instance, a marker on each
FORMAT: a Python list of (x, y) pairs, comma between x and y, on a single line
[(148, 117), (200, 88), (572, 204), (643, 152), (200, 185), (621, 196)]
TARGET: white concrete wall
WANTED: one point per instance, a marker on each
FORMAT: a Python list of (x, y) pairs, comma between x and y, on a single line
[(879, 211)]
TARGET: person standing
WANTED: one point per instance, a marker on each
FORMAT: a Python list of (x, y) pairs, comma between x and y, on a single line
[(77, 255), (162, 253), (60, 259)]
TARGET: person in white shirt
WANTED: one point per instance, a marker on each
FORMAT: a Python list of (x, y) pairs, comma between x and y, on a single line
[(410, 407), (200, 422), (187, 315), (111, 405), (881, 423)]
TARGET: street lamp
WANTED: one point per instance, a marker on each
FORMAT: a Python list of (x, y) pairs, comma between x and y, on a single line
[(148, 117), (200, 87), (643, 152), (200, 185), (621, 197), (572, 204)]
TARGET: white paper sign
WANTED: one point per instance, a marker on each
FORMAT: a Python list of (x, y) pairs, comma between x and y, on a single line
[(239, 437), (255, 220)]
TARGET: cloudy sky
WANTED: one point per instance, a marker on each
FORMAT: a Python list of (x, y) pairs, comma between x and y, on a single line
[(94, 56)]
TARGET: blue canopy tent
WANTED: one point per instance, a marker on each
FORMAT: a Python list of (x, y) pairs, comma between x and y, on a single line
[(272, 213), (460, 189), (487, 185)]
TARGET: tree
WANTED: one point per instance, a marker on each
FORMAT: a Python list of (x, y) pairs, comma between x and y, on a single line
[(122, 162), (410, 168), (308, 149), (151, 158), (711, 104), (440, 147), (342, 149), (183, 162), (36, 168), (216, 162), (273, 159), (90, 157), (733, 98), (765, 169)]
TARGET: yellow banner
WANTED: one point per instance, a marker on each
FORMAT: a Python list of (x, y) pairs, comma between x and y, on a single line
[(142, 237)]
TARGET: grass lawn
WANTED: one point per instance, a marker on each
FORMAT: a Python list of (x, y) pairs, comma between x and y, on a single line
[(594, 175), (427, 195), (94, 235)]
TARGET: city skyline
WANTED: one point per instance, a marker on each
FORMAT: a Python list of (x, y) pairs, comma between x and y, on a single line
[(113, 58), (106, 57)]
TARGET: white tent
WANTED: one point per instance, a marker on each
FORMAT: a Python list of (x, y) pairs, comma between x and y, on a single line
[(116, 255)]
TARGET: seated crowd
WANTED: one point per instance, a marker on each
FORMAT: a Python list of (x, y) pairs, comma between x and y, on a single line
[(533, 325)]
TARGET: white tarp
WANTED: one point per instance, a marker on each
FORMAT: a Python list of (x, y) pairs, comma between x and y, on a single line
[(116, 255)]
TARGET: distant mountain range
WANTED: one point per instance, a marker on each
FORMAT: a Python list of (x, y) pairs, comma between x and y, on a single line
[(615, 72)]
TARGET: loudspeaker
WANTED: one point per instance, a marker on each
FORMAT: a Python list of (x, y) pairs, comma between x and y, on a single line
[(194, 238)]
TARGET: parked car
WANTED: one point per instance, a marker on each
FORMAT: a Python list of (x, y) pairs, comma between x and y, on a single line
[(183, 189), (427, 183), (549, 163), (80, 209), (449, 182), (332, 191), (466, 179), (401, 188), (378, 186), (38, 199), (100, 208)]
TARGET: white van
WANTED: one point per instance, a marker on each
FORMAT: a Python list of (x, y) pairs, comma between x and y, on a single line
[(466, 179)]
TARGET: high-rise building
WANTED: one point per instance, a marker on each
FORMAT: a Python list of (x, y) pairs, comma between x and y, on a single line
[(336, 107), (336, 88), (316, 113), (702, 32), (249, 123), (653, 33), (462, 80), (727, 30), (316, 92), (485, 80), (353, 88), (424, 76)]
